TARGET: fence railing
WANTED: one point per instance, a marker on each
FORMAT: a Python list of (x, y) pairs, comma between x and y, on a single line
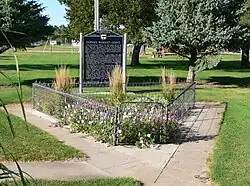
[(142, 111)]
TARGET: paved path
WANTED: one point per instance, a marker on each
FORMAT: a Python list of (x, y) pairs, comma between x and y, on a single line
[(174, 164), (59, 170)]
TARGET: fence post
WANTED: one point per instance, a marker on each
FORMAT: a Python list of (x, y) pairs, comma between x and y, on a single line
[(116, 124), (194, 97), (33, 96), (162, 119), (64, 110)]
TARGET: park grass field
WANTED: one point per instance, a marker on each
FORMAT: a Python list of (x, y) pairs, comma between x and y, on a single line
[(231, 156), (32, 144)]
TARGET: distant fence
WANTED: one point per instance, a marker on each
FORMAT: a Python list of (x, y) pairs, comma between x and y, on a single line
[(141, 110)]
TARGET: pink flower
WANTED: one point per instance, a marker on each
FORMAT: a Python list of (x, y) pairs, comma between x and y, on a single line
[(172, 116), (153, 129)]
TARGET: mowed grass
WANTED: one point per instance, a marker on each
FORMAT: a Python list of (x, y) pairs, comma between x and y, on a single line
[(52, 48), (231, 156), (41, 67), (89, 182), (32, 144), (230, 164)]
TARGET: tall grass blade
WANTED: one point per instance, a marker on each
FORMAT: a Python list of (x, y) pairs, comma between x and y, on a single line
[(20, 92), (8, 118), (21, 174), (19, 96)]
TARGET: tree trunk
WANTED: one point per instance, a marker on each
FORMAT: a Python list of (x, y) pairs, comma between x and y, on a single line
[(245, 58), (191, 74), (191, 71), (136, 55)]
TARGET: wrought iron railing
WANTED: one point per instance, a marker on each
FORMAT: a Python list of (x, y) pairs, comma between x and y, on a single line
[(141, 110)]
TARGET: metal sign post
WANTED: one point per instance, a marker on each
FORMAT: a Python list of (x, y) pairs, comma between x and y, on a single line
[(81, 64), (97, 16), (124, 65)]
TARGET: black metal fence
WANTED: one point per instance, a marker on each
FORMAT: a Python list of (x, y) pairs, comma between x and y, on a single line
[(161, 116)]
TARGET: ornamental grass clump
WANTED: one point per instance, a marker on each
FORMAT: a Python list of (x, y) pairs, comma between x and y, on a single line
[(63, 81), (168, 84), (116, 85), (115, 80)]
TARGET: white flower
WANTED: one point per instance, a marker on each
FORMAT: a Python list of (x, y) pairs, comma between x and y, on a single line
[(119, 131), (148, 135)]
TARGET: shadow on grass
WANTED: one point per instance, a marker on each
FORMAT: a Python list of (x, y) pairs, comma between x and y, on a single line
[(6, 58), (158, 64), (143, 79), (230, 66), (229, 80), (31, 67)]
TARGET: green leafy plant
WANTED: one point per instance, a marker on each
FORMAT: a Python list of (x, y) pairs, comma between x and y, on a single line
[(52, 104)]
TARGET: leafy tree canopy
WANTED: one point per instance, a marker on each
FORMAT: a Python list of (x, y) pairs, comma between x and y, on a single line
[(22, 22), (196, 29), (135, 15)]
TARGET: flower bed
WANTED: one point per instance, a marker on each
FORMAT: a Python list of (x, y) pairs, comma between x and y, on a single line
[(139, 121)]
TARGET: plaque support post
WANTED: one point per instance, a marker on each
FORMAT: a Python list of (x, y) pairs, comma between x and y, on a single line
[(81, 64), (97, 17), (124, 64)]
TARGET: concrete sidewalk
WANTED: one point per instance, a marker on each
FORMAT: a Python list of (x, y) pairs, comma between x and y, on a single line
[(59, 170), (174, 164)]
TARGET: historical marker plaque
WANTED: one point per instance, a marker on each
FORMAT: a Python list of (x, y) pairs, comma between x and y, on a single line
[(102, 51)]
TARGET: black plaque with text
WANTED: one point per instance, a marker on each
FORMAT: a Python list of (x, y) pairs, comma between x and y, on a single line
[(102, 51)]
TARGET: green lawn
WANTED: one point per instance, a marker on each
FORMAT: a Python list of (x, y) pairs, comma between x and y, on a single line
[(90, 182), (67, 48), (41, 66), (32, 145), (231, 158)]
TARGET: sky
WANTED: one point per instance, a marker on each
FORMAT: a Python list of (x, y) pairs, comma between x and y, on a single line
[(55, 11)]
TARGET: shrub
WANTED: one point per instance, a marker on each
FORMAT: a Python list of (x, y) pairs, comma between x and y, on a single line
[(63, 81), (52, 104)]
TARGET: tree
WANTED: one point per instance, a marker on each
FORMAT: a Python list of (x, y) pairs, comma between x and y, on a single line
[(22, 23), (60, 34), (135, 15), (80, 14), (196, 29), (245, 37)]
